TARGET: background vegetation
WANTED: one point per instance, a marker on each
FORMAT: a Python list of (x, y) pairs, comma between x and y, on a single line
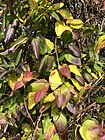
[(52, 70)]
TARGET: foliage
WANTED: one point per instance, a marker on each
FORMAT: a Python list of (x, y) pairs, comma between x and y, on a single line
[(44, 73)]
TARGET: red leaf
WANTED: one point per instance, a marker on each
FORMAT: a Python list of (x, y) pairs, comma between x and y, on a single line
[(18, 85), (40, 93), (104, 4), (29, 75), (65, 71)]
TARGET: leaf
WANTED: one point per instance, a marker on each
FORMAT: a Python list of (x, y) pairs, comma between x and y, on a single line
[(100, 43), (33, 4), (50, 45), (65, 13), (49, 98), (18, 57), (26, 128), (74, 70), (75, 50), (98, 68), (31, 101), (61, 123), (80, 79), (64, 70), (89, 130), (43, 63), (62, 96), (55, 137), (94, 75), (75, 23), (55, 15), (39, 89), (71, 108), (76, 84), (100, 100), (60, 28), (49, 128), (56, 6), (12, 79), (73, 60), (88, 77), (55, 79), (35, 48), (66, 37)]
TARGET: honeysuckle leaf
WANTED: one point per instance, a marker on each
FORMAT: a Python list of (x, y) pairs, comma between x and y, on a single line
[(55, 79), (75, 23), (65, 13), (64, 70), (74, 69), (90, 130), (73, 60), (75, 50)]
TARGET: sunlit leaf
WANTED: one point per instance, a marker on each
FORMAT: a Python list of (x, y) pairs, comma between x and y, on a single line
[(55, 79), (50, 45), (74, 70), (39, 88), (55, 15), (94, 75), (74, 60), (64, 70), (100, 43), (55, 137), (31, 101), (60, 28), (49, 98), (89, 130), (75, 23), (33, 4), (65, 14), (76, 84), (12, 79)]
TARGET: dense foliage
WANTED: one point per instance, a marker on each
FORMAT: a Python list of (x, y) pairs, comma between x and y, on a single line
[(51, 61)]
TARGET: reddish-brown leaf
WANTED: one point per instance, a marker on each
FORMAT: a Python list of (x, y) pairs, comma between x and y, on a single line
[(65, 71), (50, 132), (41, 92), (60, 99), (29, 75)]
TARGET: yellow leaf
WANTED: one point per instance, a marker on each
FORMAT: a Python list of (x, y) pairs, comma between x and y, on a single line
[(94, 75), (74, 70), (60, 28), (49, 98), (55, 79), (75, 23), (31, 101), (26, 128), (50, 45), (33, 4), (12, 79), (76, 84)]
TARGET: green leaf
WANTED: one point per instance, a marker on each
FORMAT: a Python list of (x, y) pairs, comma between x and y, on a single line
[(55, 15), (66, 37), (18, 57), (75, 23), (26, 128), (65, 14), (55, 137), (12, 79), (89, 130), (74, 60), (100, 100), (56, 6)]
